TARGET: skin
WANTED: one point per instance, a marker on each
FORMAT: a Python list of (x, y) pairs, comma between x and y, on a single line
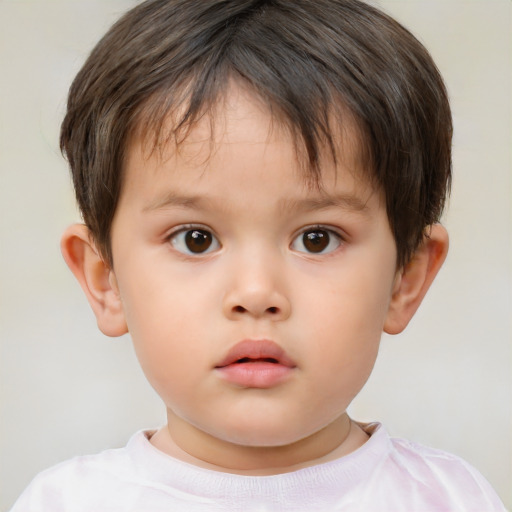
[(257, 280)]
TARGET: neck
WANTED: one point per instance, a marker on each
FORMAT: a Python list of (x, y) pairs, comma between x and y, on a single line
[(185, 442)]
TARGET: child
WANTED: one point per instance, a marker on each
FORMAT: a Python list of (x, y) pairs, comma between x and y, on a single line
[(261, 182)]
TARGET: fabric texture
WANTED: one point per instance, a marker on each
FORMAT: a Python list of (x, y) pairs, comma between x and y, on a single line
[(384, 475)]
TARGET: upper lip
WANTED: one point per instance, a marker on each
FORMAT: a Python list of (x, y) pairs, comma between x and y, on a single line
[(256, 350)]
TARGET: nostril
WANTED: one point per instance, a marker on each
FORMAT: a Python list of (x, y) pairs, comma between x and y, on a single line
[(240, 309)]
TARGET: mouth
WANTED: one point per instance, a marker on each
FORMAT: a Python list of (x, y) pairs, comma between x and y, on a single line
[(251, 351), (256, 364), (258, 360)]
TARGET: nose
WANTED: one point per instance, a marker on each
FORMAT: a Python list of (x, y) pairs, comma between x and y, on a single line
[(257, 289)]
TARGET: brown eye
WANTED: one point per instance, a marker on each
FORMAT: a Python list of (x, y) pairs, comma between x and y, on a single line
[(194, 241), (317, 241), (198, 240)]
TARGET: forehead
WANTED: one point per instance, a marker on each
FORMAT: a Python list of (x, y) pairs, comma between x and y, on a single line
[(164, 131), (239, 123)]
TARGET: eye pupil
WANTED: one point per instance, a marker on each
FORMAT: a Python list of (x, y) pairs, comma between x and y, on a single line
[(315, 241), (198, 240)]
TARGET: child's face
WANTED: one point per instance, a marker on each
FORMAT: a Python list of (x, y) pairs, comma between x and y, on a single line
[(214, 246)]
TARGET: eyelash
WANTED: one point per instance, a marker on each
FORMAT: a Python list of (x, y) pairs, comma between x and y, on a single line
[(322, 243), (322, 240), (174, 239)]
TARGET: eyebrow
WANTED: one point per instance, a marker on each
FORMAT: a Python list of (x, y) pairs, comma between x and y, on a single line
[(171, 199), (347, 202), (344, 201)]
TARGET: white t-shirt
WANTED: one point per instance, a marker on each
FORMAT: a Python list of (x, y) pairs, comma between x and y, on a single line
[(384, 475)]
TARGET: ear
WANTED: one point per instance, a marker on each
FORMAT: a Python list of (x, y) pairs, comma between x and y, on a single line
[(96, 278), (413, 281)]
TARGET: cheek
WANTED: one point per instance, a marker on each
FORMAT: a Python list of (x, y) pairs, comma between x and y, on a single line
[(345, 322), (352, 306), (162, 326), (158, 301), (172, 357)]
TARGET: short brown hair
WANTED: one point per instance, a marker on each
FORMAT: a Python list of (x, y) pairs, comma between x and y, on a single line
[(304, 58)]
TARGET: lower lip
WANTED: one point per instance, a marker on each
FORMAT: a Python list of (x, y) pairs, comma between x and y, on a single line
[(255, 375)]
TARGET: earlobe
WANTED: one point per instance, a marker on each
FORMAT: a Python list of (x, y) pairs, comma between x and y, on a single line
[(414, 280), (96, 278)]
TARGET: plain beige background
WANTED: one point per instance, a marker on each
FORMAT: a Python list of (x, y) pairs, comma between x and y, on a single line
[(67, 390)]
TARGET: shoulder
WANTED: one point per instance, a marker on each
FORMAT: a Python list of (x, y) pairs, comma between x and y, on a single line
[(73, 484), (435, 463), (442, 480)]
